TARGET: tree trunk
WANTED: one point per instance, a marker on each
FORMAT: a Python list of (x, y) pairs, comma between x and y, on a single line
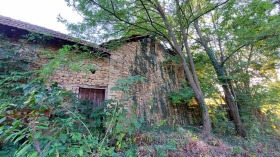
[(196, 87), (205, 114), (220, 72), (198, 95), (234, 111)]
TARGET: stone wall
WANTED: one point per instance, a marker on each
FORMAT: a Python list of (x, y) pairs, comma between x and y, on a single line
[(143, 57), (146, 58), (74, 80), (149, 99)]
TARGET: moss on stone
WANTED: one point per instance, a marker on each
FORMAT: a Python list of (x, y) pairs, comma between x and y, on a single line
[(163, 107), (134, 97), (140, 67), (150, 58), (154, 107), (153, 46)]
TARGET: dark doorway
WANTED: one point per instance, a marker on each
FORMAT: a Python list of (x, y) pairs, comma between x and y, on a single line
[(95, 96), (91, 107)]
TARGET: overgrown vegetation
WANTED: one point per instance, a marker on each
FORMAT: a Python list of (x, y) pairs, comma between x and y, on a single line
[(238, 39), (230, 55), (40, 120), (182, 97)]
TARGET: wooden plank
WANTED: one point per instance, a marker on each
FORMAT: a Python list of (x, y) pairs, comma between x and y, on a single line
[(97, 96)]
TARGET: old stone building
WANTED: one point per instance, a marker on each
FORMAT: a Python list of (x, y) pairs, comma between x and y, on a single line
[(137, 55)]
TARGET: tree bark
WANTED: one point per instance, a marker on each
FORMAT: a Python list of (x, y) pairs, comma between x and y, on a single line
[(198, 95), (234, 111), (220, 72)]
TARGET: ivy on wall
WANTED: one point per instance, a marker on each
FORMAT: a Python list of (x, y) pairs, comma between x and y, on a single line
[(145, 64)]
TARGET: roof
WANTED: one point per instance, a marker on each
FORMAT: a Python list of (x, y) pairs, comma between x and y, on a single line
[(102, 49), (42, 30), (123, 40), (137, 37)]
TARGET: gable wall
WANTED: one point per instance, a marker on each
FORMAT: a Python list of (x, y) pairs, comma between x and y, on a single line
[(145, 58)]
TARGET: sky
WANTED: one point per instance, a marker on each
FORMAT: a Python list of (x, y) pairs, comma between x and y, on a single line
[(40, 12)]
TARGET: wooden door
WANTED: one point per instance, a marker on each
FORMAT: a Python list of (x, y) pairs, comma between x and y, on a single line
[(97, 96)]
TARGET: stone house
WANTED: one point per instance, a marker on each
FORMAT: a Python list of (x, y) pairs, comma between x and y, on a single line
[(136, 55)]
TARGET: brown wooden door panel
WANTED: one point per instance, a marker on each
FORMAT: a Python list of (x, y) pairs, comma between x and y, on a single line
[(97, 96)]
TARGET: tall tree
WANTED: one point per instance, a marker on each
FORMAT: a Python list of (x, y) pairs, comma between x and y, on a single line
[(232, 30), (159, 18), (175, 22)]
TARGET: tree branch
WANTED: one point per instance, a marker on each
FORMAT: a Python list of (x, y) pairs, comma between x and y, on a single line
[(232, 53), (123, 20), (246, 44), (113, 7), (197, 17)]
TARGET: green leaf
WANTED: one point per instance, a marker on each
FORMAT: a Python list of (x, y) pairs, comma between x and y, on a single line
[(2, 119), (57, 144), (80, 152), (10, 136), (42, 126), (63, 137), (76, 136), (19, 138), (34, 154), (23, 150), (37, 134)]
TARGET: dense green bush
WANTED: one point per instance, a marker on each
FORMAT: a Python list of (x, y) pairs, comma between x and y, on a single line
[(38, 119), (67, 130)]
